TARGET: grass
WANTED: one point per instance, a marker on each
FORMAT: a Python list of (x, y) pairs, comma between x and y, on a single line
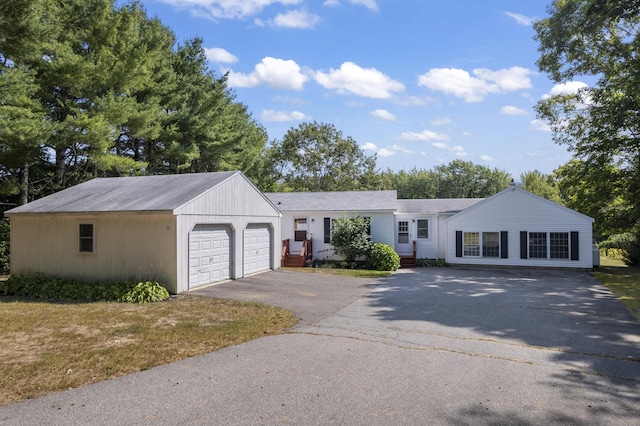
[(47, 347), (354, 273), (622, 280)]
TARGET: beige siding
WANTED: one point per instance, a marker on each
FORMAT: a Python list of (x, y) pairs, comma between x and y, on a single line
[(128, 247), (514, 211)]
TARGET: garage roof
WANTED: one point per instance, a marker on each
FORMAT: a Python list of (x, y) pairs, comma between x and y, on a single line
[(139, 193), (342, 201)]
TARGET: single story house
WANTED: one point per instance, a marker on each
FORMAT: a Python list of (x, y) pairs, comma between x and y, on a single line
[(183, 231), (511, 228), (190, 230)]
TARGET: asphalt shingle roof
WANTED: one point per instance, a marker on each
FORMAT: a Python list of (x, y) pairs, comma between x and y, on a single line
[(345, 201), (139, 193), (439, 205)]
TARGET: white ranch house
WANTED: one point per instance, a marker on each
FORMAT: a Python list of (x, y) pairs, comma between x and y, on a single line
[(190, 230), (511, 228)]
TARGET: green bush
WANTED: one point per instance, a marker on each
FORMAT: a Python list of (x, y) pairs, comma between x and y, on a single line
[(4, 244), (145, 292), (350, 238), (382, 257), (51, 287), (431, 262)]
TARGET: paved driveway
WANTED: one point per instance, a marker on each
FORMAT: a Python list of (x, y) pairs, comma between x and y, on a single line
[(426, 346)]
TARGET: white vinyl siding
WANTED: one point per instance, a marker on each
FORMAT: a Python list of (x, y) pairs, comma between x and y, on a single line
[(514, 211)]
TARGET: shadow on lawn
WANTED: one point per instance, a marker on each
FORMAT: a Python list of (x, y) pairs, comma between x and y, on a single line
[(583, 326)]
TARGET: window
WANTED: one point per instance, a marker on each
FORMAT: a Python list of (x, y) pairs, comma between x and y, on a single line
[(538, 245), (472, 244), (86, 238), (327, 229), (559, 245), (403, 232), (490, 244), (300, 229), (423, 228)]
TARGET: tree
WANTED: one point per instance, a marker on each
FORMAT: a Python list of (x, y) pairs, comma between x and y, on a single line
[(350, 237), (540, 184), (463, 179), (96, 88), (600, 124), (316, 157)]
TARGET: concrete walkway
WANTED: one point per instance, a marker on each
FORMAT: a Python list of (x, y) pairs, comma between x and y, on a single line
[(430, 346)]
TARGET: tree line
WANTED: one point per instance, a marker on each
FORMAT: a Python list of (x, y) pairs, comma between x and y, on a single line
[(93, 88)]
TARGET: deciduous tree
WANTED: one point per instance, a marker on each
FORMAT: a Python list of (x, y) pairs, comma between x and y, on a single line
[(597, 40)]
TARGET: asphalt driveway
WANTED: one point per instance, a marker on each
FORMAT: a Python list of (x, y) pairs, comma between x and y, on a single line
[(425, 346)]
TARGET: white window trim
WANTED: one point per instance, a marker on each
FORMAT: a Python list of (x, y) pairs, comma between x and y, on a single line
[(428, 228), (548, 233), (480, 242)]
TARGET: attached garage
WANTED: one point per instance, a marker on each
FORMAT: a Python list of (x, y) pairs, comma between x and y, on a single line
[(258, 250), (184, 231)]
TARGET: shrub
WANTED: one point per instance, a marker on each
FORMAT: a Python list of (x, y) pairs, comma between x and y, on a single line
[(382, 257), (4, 244), (50, 287), (350, 237), (431, 262), (145, 292)]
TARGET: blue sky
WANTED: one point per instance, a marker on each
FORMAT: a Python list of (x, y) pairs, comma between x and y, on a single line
[(419, 82)]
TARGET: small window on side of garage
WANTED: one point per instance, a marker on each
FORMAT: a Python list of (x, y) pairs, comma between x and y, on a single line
[(87, 237), (423, 228)]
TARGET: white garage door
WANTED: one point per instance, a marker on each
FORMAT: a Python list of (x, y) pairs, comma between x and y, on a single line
[(257, 248), (209, 254)]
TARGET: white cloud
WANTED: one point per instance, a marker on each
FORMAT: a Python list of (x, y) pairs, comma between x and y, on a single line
[(226, 9), (540, 125), (369, 146), (520, 19), (217, 54), (283, 116), (467, 134), (513, 110), (369, 4), (457, 149), (425, 135), (384, 152), (400, 148), (273, 73), (295, 19), (461, 84), (366, 82), (383, 114), (568, 88), (440, 122), (486, 158)]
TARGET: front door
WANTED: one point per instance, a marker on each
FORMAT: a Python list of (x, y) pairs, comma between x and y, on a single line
[(403, 237)]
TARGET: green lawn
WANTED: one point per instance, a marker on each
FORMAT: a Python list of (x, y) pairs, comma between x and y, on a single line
[(622, 280)]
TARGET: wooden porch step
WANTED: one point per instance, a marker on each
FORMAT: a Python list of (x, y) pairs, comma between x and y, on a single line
[(407, 261), (293, 261)]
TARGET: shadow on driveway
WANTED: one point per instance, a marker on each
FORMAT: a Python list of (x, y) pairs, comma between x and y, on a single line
[(586, 329)]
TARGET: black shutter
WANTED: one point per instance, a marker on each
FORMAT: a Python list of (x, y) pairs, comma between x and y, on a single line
[(575, 254), (504, 244), (327, 230), (458, 243), (523, 244)]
